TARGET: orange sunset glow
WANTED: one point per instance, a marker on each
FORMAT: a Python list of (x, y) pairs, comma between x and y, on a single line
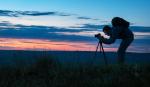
[(37, 44)]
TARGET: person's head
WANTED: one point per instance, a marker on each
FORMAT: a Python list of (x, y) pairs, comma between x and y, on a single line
[(107, 30), (117, 21)]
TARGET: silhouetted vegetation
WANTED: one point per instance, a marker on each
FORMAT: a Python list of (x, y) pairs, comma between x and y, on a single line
[(47, 72)]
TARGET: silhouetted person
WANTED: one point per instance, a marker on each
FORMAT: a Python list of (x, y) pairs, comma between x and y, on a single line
[(120, 30)]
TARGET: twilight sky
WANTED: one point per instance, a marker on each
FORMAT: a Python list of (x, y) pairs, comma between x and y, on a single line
[(69, 24)]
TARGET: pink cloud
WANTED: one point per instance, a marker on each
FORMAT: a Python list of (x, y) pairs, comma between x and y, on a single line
[(38, 44)]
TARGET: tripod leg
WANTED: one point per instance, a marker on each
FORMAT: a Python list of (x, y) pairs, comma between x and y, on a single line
[(96, 50), (102, 49)]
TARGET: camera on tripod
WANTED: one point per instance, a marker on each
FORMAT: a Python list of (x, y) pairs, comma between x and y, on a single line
[(97, 35), (100, 46)]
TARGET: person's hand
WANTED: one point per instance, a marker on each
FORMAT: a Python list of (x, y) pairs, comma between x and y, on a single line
[(100, 37), (97, 35)]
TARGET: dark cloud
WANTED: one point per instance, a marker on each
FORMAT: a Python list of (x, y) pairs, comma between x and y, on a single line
[(53, 33), (36, 13), (8, 13), (5, 23), (90, 27), (105, 21), (42, 32), (30, 13), (93, 26), (86, 18), (140, 29)]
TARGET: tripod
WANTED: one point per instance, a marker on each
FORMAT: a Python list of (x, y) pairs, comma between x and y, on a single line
[(100, 46)]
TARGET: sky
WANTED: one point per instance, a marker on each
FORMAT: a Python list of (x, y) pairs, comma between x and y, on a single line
[(136, 11), (69, 24)]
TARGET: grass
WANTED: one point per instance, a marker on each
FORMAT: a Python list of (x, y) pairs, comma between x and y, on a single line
[(47, 72)]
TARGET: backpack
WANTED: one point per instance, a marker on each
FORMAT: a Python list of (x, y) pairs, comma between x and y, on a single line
[(123, 24), (117, 21)]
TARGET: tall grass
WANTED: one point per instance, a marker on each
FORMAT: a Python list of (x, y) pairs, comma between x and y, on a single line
[(48, 72)]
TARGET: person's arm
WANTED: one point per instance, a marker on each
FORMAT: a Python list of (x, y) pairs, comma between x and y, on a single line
[(108, 41)]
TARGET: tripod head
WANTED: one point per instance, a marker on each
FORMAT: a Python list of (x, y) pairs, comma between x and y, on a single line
[(98, 36)]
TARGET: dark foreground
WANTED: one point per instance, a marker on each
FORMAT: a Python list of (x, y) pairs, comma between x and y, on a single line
[(46, 71), (19, 58)]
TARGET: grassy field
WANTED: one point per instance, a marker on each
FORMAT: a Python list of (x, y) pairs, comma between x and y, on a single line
[(47, 72)]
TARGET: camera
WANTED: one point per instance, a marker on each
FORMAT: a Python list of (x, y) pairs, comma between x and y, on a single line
[(97, 35)]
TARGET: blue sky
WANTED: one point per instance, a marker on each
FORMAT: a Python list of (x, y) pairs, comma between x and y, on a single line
[(136, 11), (66, 23)]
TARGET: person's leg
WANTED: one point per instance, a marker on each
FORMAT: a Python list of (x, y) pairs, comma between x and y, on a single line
[(122, 49)]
